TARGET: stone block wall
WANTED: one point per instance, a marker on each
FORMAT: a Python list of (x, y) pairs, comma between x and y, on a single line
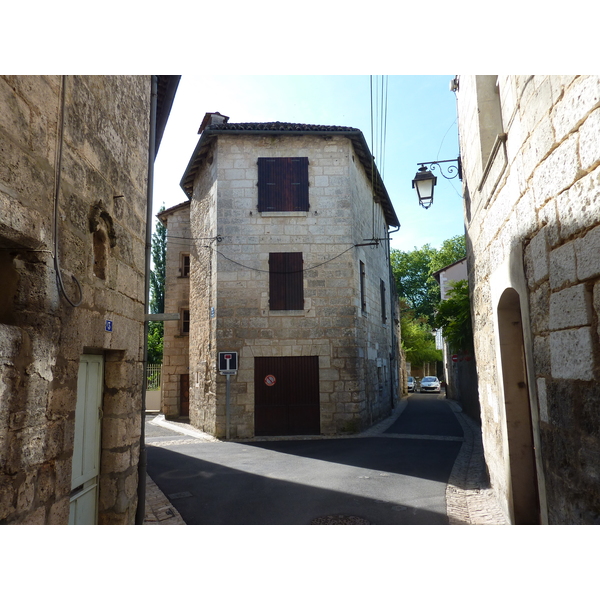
[(101, 240), (229, 296), (177, 299), (533, 222)]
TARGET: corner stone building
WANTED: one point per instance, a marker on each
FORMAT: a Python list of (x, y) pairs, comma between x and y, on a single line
[(75, 159), (530, 147), (289, 268)]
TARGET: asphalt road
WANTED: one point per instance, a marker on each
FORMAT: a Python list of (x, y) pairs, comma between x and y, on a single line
[(394, 477)]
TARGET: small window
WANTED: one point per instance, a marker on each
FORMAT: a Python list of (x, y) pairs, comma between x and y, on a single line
[(363, 292), (185, 265), (100, 241), (185, 321), (283, 184), (286, 288), (383, 307)]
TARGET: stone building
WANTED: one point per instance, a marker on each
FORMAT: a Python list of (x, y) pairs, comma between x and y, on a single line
[(530, 147), (175, 384), (76, 157), (289, 268)]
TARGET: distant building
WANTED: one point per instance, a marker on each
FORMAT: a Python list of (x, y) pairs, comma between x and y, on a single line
[(289, 268), (175, 387), (76, 159), (460, 373), (530, 148)]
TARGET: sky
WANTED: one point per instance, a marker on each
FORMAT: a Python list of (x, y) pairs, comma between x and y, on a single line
[(405, 119)]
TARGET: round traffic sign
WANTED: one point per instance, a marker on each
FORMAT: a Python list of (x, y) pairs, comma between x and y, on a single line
[(270, 380)]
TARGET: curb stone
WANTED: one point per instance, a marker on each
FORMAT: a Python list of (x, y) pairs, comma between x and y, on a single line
[(159, 511)]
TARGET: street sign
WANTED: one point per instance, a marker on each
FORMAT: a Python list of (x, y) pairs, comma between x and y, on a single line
[(228, 366), (270, 380), (455, 358), (228, 363)]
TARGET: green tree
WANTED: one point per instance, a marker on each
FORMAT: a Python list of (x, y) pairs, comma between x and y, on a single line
[(418, 341), (454, 316), (413, 274), (157, 293), (157, 275), (450, 251)]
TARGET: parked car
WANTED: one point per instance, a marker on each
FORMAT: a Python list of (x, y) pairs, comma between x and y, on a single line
[(430, 384), (412, 384)]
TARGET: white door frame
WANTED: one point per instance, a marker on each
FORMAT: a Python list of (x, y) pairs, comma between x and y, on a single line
[(86, 447)]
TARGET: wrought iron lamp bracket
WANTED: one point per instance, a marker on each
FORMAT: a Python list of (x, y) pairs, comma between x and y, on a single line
[(452, 171)]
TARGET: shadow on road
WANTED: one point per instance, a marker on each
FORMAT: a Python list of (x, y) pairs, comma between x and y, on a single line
[(376, 479)]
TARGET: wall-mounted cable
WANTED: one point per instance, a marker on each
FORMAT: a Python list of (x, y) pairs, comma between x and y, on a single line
[(57, 186), (298, 271)]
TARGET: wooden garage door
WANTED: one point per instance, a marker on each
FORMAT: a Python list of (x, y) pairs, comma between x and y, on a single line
[(184, 395), (286, 393)]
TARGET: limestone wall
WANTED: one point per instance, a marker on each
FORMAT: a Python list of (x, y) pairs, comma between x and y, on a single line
[(533, 216), (177, 299), (230, 283), (101, 231)]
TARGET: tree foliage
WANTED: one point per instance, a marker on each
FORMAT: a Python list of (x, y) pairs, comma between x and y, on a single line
[(454, 316), (155, 342), (419, 295), (157, 293), (418, 341), (413, 274), (157, 274)]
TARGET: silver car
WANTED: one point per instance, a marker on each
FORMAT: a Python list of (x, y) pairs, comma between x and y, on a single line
[(412, 384), (430, 384)]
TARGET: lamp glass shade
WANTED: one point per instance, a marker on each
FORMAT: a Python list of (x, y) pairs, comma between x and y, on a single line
[(424, 182)]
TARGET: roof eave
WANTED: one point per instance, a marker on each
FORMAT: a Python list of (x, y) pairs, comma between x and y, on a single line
[(356, 137)]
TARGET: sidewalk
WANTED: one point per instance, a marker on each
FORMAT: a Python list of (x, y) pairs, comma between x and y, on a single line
[(159, 511)]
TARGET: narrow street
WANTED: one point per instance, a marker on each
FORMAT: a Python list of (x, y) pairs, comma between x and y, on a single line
[(415, 468)]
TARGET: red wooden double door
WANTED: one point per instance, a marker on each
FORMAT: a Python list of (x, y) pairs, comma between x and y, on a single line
[(286, 393)]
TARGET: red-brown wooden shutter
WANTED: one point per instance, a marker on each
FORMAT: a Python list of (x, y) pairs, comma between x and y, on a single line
[(286, 289), (283, 184)]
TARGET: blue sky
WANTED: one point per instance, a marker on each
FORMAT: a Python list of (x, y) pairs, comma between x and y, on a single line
[(420, 125)]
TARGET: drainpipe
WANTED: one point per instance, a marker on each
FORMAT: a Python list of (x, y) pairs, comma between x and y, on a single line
[(141, 507)]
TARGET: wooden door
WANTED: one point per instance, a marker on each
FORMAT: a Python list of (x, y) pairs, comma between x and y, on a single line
[(85, 468), (286, 393), (184, 395)]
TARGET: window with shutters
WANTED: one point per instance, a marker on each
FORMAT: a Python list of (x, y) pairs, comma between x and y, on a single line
[(363, 290), (184, 268), (184, 321), (283, 184), (286, 290)]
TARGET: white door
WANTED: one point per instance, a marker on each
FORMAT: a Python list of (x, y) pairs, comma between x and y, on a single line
[(86, 449)]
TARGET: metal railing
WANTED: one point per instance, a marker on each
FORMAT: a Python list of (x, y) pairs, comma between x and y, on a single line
[(153, 376)]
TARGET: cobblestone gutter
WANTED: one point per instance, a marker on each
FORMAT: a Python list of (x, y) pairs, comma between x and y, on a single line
[(159, 511), (469, 500)]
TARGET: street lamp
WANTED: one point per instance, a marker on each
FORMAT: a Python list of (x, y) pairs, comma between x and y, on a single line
[(425, 180)]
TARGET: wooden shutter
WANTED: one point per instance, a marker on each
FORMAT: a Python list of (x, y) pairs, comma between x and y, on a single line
[(283, 184), (286, 289)]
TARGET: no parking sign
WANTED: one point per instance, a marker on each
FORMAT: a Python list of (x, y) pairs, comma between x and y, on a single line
[(270, 380)]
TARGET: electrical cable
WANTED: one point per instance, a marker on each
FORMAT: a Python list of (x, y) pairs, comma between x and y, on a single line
[(283, 272), (57, 186)]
